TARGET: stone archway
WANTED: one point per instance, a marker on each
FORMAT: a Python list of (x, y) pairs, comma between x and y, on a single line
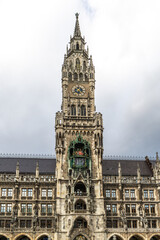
[(3, 237), (43, 237), (80, 237), (23, 237), (136, 237), (155, 237), (115, 237)]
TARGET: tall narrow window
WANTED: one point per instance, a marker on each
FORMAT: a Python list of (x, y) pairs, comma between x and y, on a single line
[(10, 192), (4, 191), (29, 208), (24, 192), (70, 76), (75, 76), (77, 46), (3, 208), (81, 76), (83, 110), (77, 64), (9, 208), (73, 110), (23, 208)]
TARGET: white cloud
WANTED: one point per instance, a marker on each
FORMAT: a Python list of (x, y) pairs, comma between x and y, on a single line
[(124, 40)]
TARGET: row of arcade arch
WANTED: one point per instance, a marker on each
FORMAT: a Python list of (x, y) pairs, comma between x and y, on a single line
[(134, 237), (25, 237), (81, 237)]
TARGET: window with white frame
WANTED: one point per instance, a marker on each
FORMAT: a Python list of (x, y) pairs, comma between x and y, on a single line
[(24, 192), (127, 193), (113, 193), (23, 208), (108, 195), (145, 193), (151, 193), (3, 208), (43, 208), (9, 208), (132, 192), (43, 192), (30, 192), (4, 192), (29, 208), (49, 209), (50, 193), (10, 191)]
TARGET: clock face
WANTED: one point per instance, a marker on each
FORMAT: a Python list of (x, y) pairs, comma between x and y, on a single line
[(78, 90)]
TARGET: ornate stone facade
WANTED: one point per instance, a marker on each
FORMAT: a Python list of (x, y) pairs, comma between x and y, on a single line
[(79, 195)]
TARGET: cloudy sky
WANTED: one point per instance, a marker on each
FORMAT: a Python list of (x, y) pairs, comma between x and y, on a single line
[(124, 40)]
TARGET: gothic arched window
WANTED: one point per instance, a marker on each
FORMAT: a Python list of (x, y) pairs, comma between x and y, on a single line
[(84, 66), (73, 110), (86, 77), (77, 46), (70, 76), (80, 223), (80, 205), (80, 189), (83, 110), (75, 76), (77, 64), (81, 76)]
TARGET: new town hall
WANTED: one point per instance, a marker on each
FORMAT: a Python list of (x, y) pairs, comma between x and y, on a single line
[(79, 195)]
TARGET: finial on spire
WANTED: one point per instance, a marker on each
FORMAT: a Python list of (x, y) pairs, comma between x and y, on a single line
[(77, 32), (77, 15)]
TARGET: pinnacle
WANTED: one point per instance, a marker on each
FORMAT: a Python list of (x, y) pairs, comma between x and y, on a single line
[(77, 31)]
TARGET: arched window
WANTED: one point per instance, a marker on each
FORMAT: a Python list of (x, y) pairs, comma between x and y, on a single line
[(77, 64), (156, 237), (86, 77), (83, 110), (136, 237), (81, 76), (80, 189), (80, 223), (70, 76), (80, 237), (77, 46), (3, 237), (115, 237), (23, 237), (44, 237), (84, 66), (73, 110), (75, 76), (80, 206)]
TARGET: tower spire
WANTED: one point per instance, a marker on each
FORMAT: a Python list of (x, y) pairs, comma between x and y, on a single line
[(77, 31)]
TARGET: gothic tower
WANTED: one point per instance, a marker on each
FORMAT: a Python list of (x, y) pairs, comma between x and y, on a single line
[(79, 148)]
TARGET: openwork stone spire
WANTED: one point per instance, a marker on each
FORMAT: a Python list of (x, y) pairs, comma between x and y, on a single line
[(77, 31)]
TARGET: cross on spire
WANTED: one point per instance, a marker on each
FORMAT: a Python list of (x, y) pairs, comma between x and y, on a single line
[(77, 31)]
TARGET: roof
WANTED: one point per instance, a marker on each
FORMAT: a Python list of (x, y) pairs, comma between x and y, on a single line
[(48, 165), (27, 165), (128, 167)]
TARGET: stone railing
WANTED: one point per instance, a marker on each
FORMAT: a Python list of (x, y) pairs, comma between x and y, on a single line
[(26, 178), (127, 179)]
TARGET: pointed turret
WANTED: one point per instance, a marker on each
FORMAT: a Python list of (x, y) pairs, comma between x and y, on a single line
[(77, 31), (17, 171), (37, 170), (138, 172)]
